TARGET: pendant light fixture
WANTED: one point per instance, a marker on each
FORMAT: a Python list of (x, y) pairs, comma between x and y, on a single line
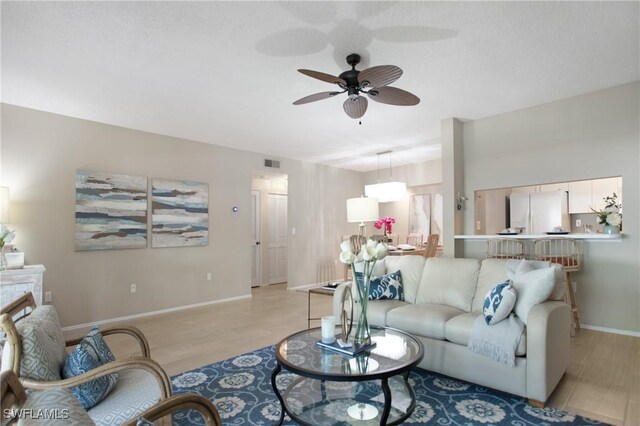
[(387, 191)]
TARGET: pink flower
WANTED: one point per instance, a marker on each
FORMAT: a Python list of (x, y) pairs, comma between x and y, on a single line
[(386, 222)]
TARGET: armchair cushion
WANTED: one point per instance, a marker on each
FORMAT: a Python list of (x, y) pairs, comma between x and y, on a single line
[(135, 392), (43, 347), (56, 400)]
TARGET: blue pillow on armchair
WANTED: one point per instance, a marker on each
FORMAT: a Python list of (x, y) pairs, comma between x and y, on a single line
[(385, 287), (91, 353)]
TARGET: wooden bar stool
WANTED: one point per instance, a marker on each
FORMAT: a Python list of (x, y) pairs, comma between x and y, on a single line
[(565, 252), (504, 248)]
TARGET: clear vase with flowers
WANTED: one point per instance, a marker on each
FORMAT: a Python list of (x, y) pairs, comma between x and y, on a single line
[(369, 254)]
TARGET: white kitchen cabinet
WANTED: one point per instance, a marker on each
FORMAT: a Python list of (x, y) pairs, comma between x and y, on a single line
[(580, 196), (602, 188)]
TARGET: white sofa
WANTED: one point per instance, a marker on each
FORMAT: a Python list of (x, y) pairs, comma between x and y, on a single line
[(444, 296)]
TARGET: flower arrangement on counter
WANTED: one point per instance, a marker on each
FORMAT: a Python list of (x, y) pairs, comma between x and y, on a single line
[(612, 213), (385, 222), (6, 236)]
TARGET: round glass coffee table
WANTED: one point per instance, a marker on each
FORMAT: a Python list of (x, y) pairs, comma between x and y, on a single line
[(328, 388)]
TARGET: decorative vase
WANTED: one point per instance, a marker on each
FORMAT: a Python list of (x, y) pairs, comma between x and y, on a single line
[(610, 229), (363, 333)]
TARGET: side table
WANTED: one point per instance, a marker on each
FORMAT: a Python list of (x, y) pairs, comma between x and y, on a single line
[(17, 282)]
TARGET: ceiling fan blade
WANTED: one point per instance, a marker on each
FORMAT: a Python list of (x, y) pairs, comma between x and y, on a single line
[(355, 108), (379, 76), (393, 96), (324, 77), (315, 97)]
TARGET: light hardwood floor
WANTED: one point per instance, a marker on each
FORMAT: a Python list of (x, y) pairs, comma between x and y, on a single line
[(603, 380)]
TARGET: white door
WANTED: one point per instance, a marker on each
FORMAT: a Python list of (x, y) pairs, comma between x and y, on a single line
[(256, 270), (277, 238)]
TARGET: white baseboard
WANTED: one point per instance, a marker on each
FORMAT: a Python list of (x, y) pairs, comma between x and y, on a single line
[(305, 286), (611, 330), (152, 313)]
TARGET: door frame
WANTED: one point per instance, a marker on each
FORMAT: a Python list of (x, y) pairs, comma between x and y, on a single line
[(257, 222)]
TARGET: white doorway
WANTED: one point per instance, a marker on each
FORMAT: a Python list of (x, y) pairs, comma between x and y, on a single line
[(256, 258), (277, 238), (269, 199)]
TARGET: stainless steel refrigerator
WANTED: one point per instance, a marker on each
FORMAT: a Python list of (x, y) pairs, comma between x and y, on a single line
[(539, 212)]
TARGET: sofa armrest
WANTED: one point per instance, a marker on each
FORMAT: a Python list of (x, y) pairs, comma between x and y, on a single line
[(337, 300), (548, 346)]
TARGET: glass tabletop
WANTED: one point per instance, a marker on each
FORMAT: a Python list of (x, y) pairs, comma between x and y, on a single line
[(394, 353)]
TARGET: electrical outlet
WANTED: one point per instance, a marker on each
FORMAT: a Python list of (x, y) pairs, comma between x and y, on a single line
[(478, 225), (578, 223), (48, 296), (208, 276), (293, 231), (133, 288)]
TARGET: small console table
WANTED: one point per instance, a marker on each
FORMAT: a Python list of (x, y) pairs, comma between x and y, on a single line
[(17, 282)]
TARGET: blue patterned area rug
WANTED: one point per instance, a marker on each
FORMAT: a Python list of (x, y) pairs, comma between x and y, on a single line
[(240, 388)]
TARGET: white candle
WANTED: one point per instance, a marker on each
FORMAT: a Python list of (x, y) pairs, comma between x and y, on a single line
[(328, 325)]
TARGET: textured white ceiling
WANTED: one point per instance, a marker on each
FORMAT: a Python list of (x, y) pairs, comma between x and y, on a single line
[(225, 72)]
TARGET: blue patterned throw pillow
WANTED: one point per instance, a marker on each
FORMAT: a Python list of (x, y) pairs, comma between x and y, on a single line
[(385, 287), (499, 303), (91, 353)]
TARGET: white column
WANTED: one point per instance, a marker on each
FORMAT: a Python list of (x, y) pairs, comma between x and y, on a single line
[(452, 185)]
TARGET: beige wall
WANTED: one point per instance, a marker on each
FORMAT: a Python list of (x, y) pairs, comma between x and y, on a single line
[(40, 154), (589, 136)]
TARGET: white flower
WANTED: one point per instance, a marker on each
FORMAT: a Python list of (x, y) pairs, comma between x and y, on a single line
[(381, 251), (614, 219), (347, 257), (6, 235), (368, 251), (346, 246), (611, 209)]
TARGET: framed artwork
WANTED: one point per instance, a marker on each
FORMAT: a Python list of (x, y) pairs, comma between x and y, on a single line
[(180, 213), (436, 217), (111, 211), (420, 215)]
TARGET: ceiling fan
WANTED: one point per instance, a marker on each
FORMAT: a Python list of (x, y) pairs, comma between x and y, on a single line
[(373, 82)]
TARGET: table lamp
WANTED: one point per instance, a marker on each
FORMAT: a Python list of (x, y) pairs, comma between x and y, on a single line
[(361, 210)]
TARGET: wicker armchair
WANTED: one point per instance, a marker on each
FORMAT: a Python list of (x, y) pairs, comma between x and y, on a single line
[(35, 350)]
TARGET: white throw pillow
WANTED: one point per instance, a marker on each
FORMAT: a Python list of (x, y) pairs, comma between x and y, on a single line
[(533, 287), (499, 302), (521, 266)]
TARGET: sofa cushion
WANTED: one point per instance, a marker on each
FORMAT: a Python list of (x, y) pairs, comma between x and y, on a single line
[(449, 281), (492, 272), (559, 288), (499, 303), (411, 268), (387, 286), (458, 330), (377, 310), (533, 287), (423, 319)]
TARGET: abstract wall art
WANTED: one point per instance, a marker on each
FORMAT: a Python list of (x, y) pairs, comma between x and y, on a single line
[(420, 215), (180, 213), (111, 211)]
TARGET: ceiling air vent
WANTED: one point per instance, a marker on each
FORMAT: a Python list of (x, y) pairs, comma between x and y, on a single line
[(275, 164)]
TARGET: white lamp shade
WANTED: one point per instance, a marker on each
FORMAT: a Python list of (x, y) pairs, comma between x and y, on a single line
[(385, 192), (362, 210), (4, 204)]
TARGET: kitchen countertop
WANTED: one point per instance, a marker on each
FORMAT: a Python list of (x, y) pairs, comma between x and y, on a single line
[(594, 236)]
